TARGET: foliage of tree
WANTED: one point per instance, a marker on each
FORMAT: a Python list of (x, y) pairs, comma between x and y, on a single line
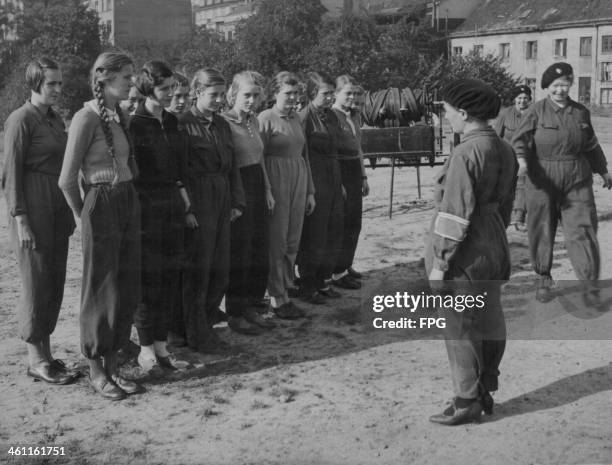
[(488, 68), (63, 30), (279, 36), (209, 49)]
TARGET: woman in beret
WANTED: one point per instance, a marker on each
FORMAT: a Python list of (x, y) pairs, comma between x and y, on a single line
[(557, 148), (505, 125), (467, 250)]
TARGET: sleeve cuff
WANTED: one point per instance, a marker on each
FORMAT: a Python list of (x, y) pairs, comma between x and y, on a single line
[(451, 226)]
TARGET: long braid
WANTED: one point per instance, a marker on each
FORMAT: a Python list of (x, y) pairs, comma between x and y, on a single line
[(131, 160), (108, 134)]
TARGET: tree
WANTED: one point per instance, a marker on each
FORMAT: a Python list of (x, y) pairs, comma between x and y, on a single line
[(65, 31), (278, 36), (209, 49), (488, 68)]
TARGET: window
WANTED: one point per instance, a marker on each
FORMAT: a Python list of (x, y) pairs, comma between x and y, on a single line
[(584, 90), (457, 51), (606, 96), (531, 50), (606, 44), (504, 51), (561, 48), (478, 50), (109, 26), (230, 35), (606, 71), (96, 5), (586, 46)]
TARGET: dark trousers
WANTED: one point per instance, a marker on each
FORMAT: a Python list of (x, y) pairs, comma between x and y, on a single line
[(207, 249), (475, 340), (110, 223), (519, 207), (563, 190), (322, 234), (353, 208), (42, 270), (249, 245), (162, 225)]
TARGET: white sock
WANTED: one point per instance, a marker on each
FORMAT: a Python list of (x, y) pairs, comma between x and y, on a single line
[(160, 348), (337, 276), (147, 352), (276, 302)]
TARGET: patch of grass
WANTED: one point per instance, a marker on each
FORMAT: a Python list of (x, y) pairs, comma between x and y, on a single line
[(259, 405)]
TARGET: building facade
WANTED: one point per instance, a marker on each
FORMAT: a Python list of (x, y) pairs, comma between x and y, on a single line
[(530, 36), (8, 11), (134, 20)]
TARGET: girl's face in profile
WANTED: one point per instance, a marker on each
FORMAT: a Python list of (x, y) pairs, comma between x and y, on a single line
[(211, 98)]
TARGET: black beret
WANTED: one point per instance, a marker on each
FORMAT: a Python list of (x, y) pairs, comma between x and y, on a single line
[(555, 71), (474, 96), (518, 90)]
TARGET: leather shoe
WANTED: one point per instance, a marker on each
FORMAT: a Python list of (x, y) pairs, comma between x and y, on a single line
[(314, 298), (330, 293), (127, 386), (50, 375), (346, 282), (252, 316), (172, 363), (289, 311), (242, 326), (213, 344), (454, 415), (107, 388), (60, 367), (354, 274)]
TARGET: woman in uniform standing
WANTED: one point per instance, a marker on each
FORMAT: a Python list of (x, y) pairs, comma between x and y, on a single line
[(286, 159), (249, 235), (40, 221), (160, 150), (322, 234), (217, 194), (557, 148), (354, 181), (505, 125), (99, 147), (467, 251)]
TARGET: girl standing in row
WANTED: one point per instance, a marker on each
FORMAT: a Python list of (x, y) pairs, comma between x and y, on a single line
[(99, 147), (292, 188), (40, 221)]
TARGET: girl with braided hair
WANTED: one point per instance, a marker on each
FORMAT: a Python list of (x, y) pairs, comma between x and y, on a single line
[(99, 147)]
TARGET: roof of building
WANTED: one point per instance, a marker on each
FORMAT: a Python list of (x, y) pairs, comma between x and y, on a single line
[(395, 7), (503, 16)]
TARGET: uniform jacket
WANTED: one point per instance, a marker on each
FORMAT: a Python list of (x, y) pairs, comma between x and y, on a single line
[(474, 194), (507, 122), (211, 151)]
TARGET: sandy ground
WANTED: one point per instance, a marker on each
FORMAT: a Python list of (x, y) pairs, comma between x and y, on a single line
[(331, 389)]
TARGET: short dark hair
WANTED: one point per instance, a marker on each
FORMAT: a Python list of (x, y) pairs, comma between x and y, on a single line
[(314, 82), (152, 74), (35, 72)]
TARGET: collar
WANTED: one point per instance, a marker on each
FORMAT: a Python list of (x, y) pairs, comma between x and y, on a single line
[(320, 112), (207, 122), (141, 110), (112, 114), (236, 116), (289, 116), (50, 113), (556, 108), (488, 131), (341, 110)]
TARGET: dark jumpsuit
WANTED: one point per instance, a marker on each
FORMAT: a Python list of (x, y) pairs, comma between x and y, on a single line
[(322, 233), (215, 187), (561, 151), (505, 125), (160, 150), (467, 241), (349, 149), (34, 145)]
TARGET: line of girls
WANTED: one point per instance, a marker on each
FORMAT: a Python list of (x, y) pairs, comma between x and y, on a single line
[(179, 205)]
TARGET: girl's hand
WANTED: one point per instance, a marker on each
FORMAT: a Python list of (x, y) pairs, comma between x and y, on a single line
[(522, 166), (310, 204), (190, 221), (365, 188), (235, 213), (607, 180), (343, 192), (25, 234), (270, 202)]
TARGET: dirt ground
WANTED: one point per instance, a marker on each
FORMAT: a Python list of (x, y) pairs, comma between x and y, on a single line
[(331, 389)]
